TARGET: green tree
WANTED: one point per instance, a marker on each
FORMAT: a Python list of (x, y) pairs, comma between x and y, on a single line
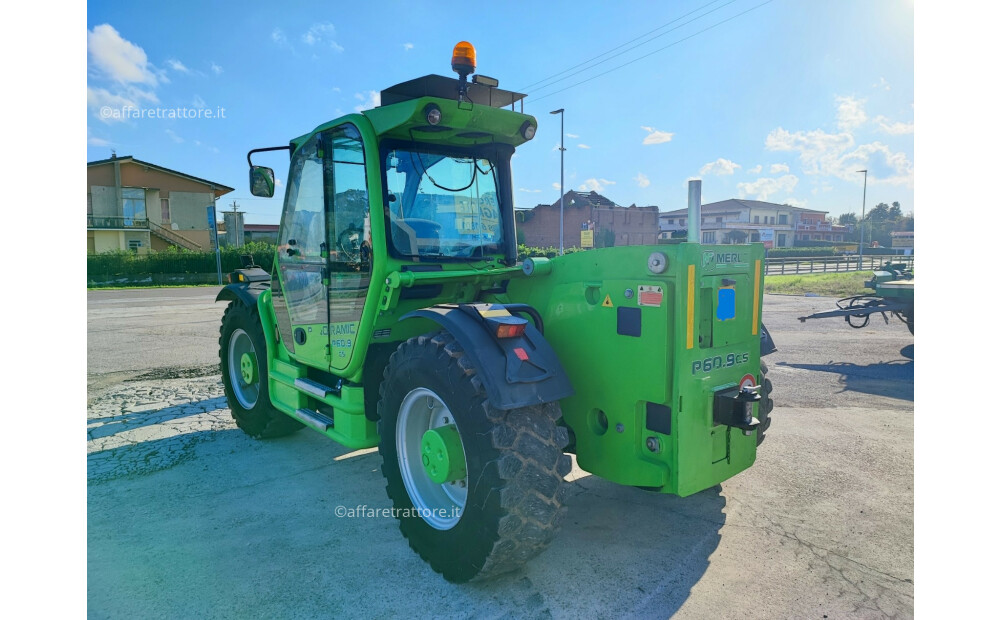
[(879, 213), (846, 219), (895, 212)]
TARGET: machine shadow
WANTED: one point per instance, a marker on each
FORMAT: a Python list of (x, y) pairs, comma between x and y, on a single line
[(891, 379), (199, 497), (655, 545), (105, 427)]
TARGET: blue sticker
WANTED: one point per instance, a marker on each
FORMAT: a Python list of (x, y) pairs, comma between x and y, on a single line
[(726, 308)]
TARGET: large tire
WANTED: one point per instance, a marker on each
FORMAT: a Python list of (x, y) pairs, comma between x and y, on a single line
[(510, 503), (241, 341), (766, 404)]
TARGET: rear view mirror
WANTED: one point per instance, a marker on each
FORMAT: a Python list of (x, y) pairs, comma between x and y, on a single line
[(261, 181)]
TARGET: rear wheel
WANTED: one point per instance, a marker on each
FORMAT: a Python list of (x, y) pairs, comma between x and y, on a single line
[(766, 404), (243, 357), (477, 491)]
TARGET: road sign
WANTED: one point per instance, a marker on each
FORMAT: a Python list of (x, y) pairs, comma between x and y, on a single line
[(767, 238)]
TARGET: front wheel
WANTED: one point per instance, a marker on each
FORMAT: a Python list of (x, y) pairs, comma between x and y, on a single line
[(243, 357), (478, 491)]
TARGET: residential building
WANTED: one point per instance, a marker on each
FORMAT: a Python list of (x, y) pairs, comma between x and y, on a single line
[(266, 233), (139, 206), (611, 224), (742, 221)]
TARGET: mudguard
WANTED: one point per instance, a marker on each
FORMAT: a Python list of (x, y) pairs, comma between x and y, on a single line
[(766, 344), (246, 292), (516, 372)]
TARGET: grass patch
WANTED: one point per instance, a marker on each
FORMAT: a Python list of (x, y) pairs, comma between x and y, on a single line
[(825, 284)]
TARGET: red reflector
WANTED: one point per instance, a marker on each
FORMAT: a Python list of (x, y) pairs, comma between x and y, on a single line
[(521, 354), (505, 330)]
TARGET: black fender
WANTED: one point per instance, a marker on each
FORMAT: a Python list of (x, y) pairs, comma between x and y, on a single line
[(766, 343), (516, 372), (244, 292)]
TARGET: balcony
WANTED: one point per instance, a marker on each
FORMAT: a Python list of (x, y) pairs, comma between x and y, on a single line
[(116, 222)]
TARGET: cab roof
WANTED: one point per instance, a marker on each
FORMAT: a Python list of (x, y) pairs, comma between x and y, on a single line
[(447, 88)]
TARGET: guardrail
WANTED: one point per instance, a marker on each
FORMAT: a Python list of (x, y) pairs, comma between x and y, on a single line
[(820, 264)]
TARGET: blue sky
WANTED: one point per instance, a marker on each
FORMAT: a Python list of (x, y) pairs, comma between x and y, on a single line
[(783, 102)]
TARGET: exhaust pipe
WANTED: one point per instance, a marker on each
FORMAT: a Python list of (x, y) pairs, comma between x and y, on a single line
[(694, 211)]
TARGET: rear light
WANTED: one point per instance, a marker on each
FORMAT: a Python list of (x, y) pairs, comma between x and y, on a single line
[(510, 330)]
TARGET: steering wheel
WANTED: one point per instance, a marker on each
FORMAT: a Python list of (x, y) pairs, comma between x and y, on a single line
[(349, 244)]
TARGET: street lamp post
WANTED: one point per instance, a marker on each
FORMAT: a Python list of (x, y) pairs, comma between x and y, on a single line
[(864, 195), (562, 158)]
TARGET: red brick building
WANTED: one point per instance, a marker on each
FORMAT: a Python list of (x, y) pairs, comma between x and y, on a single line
[(612, 225)]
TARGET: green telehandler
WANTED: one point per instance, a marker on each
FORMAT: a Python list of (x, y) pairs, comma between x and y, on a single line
[(396, 315)]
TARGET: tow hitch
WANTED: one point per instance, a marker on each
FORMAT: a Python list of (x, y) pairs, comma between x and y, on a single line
[(734, 407)]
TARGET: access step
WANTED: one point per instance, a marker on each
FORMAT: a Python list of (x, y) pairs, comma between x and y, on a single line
[(314, 419), (315, 388)]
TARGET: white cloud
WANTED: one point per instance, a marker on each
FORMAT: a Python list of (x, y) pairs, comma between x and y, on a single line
[(110, 106), (216, 69), (582, 146), (118, 59), (765, 187), (95, 141), (369, 100), (850, 113), (642, 180), (594, 185), (530, 191), (407, 46), (322, 34), (572, 135), (178, 66), (776, 168), (756, 169), (795, 202), (720, 167), (556, 186), (893, 129), (836, 155), (278, 36), (277, 182), (174, 136), (198, 102), (656, 136), (882, 84)]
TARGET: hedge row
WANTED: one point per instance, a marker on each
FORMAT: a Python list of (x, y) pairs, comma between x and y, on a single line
[(174, 261)]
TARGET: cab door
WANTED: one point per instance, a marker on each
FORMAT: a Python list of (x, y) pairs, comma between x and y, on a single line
[(299, 293), (350, 257)]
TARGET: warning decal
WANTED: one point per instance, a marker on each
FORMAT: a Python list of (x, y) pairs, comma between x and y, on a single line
[(607, 302), (650, 296)]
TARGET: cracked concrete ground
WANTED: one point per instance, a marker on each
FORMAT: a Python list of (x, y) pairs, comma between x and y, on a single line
[(189, 517)]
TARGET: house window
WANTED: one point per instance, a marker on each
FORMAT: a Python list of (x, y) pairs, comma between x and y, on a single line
[(756, 219), (781, 241), (164, 209), (133, 204), (670, 222), (772, 219), (829, 238), (708, 237), (783, 219), (718, 220), (682, 222), (90, 204), (134, 244)]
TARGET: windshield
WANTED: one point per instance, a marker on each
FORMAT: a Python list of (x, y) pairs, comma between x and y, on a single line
[(442, 206)]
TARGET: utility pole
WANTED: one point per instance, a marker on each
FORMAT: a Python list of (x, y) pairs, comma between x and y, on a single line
[(562, 158), (864, 195)]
